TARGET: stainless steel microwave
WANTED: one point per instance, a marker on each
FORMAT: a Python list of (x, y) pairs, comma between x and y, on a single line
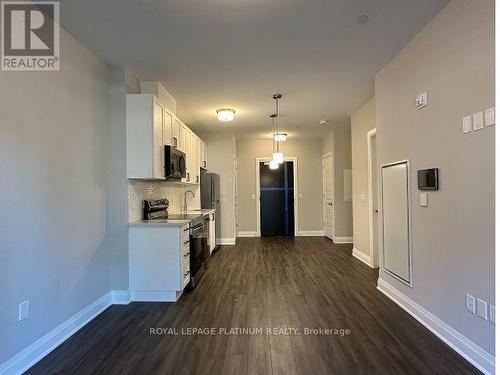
[(175, 163)]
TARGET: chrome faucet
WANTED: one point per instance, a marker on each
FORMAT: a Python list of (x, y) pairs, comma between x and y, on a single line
[(185, 197)]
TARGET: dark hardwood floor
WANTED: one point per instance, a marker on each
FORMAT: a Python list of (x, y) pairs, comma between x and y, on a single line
[(270, 282)]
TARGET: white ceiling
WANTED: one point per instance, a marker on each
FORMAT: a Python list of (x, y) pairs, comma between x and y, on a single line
[(237, 53)]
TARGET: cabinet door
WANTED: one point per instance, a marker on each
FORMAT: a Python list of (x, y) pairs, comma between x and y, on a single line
[(195, 161), (182, 137), (187, 150), (205, 154), (176, 129), (158, 149), (167, 128), (212, 232)]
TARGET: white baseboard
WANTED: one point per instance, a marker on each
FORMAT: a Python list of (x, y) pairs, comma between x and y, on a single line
[(245, 233), (472, 352), (225, 241), (154, 296), (311, 233), (339, 239), (366, 259), (120, 297), (33, 353)]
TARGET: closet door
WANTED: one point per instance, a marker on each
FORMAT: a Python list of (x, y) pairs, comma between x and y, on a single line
[(396, 221)]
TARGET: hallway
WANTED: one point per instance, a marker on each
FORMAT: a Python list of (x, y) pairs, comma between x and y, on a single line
[(295, 283)]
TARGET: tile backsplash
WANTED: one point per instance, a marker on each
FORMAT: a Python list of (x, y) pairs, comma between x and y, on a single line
[(138, 190)]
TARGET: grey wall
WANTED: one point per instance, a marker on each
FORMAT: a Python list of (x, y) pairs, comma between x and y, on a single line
[(342, 161), (338, 142), (308, 153), (116, 176), (362, 121), (53, 194), (454, 238)]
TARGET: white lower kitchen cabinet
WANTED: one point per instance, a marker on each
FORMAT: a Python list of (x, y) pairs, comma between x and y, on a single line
[(211, 232), (158, 262)]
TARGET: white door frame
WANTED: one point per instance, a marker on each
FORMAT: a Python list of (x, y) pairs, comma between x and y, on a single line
[(295, 192), (374, 258), (333, 194)]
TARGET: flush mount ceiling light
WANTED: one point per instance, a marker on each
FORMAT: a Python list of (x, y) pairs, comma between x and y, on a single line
[(280, 137), (323, 122), (225, 114)]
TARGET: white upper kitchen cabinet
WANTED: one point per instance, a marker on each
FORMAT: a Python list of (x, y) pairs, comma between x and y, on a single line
[(176, 130), (182, 136), (167, 128), (203, 154), (145, 137), (195, 160), (186, 136)]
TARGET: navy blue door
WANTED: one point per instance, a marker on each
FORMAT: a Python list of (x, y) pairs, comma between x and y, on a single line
[(276, 200)]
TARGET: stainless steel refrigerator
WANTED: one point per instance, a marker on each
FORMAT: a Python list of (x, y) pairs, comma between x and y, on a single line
[(210, 198)]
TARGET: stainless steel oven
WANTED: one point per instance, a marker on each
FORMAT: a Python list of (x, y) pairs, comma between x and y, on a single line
[(198, 248)]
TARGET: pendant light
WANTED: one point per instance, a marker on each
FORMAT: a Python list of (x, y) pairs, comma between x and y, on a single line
[(277, 154), (273, 164)]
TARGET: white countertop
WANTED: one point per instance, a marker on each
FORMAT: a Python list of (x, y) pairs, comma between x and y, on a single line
[(168, 222)]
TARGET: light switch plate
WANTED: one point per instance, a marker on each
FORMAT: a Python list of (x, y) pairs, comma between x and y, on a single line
[(492, 314), (423, 199), (470, 303), (489, 117), (482, 309), (300, 195), (24, 310), (421, 100), (253, 196), (467, 124), (362, 197), (478, 121)]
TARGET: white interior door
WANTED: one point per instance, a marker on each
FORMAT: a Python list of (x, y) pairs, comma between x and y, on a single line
[(328, 195), (396, 220)]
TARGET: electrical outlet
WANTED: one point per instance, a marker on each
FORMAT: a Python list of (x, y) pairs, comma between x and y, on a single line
[(470, 303), (24, 310), (482, 309), (492, 314)]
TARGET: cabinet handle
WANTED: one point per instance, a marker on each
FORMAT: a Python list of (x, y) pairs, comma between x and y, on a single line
[(188, 177), (186, 273), (186, 242)]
